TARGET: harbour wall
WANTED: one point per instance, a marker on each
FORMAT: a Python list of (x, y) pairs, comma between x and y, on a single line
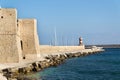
[(59, 49), (49, 60)]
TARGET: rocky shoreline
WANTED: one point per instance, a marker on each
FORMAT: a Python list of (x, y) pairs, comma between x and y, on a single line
[(50, 60)]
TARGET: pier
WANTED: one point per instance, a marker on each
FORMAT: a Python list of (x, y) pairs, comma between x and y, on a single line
[(13, 71)]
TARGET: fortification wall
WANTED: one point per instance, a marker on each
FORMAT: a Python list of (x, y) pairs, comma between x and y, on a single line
[(62, 49), (19, 39), (8, 21), (10, 49), (29, 38)]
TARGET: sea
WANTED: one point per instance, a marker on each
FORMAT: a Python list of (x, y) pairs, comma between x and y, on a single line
[(101, 66)]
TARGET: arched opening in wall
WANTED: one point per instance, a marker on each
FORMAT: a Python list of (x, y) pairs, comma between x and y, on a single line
[(21, 45), (21, 42)]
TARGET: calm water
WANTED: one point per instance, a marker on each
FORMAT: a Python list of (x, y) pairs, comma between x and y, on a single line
[(104, 66)]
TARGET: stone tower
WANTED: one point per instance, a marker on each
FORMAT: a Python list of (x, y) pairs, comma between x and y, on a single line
[(10, 47), (29, 38)]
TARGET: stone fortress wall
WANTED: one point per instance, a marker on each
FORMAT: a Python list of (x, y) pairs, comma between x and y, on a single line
[(60, 49), (29, 38), (10, 50), (19, 39)]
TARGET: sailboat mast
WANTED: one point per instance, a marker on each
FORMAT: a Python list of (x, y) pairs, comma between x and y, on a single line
[(55, 36)]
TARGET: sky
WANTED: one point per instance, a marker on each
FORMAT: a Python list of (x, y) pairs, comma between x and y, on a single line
[(96, 21)]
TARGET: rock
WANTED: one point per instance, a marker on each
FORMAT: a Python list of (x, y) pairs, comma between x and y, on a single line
[(2, 77)]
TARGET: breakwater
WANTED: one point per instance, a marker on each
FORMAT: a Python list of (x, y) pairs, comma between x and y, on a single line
[(50, 60)]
